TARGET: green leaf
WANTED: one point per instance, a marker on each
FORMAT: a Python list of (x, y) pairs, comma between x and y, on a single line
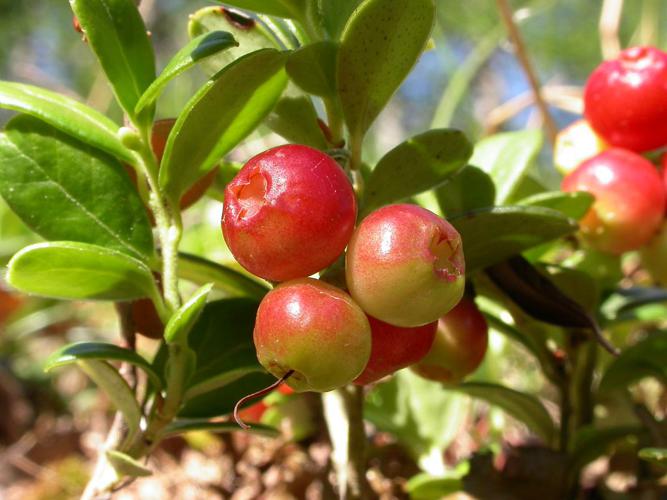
[(380, 44), (78, 271), (491, 235), (313, 68), (224, 111), (625, 300), (426, 487), (469, 189), (125, 465), (117, 35), (507, 157), (72, 353), (67, 190), (644, 359), (332, 16), (202, 271), (196, 50), (295, 119), (222, 379), (590, 442), (524, 407), (291, 9), (250, 34), (657, 456), (181, 322), (66, 114), (573, 205), (420, 163), (181, 426)]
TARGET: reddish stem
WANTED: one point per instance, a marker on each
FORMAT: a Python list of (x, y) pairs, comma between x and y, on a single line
[(258, 394)]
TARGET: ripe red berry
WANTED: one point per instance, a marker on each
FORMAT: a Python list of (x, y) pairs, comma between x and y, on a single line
[(288, 213), (629, 200), (405, 265), (459, 346), (625, 99), (314, 329), (393, 348)]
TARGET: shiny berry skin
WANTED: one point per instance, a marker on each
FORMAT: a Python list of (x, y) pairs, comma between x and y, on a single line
[(654, 256), (288, 213), (405, 265), (575, 144), (316, 330), (459, 346), (625, 99), (393, 348), (629, 200)]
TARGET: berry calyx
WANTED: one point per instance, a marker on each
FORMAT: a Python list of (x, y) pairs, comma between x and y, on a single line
[(625, 99), (288, 213), (405, 265), (629, 200), (314, 330)]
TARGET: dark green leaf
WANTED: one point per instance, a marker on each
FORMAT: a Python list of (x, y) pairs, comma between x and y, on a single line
[(117, 35), (313, 68), (66, 114), (657, 456), (67, 190), (295, 119), (330, 16), (469, 189), (184, 425), (420, 163), (524, 407), (380, 44), (491, 235), (101, 351), (573, 205), (250, 34), (219, 116), (625, 300), (74, 271), (201, 271), (590, 442), (644, 359), (426, 487), (507, 157), (198, 49), (578, 285), (292, 9), (181, 322), (125, 465)]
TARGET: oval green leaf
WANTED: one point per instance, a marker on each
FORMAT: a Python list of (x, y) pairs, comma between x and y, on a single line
[(66, 114), (644, 359), (198, 49), (573, 205), (125, 465), (181, 322), (220, 116), (422, 162), (313, 68), (64, 189), (78, 271), (295, 119), (380, 44), (469, 189), (117, 35), (183, 425)]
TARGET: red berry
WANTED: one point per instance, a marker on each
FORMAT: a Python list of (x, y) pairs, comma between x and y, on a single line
[(314, 329), (288, 213), (625, 99), (393, 348), (405, 265), (146, 320), (629, 200), (9, 303), (459, 346)]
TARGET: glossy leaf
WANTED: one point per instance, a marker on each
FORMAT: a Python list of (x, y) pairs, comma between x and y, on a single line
[(295, 119), (224, 111), (181, 322), (468, 189), (420, 163), (332, 16), (625, 300), (72, 117), (313, 68), (644, 359), (102, 351), (292, 9), (201, 271), (116, 33), (657, 456), (78, 271), (380, 44), (524, 407), (491, 235), (507, 157), (198, 49), (125, 465), (67, 190), (250, 34), (181, 426), (573, 205)]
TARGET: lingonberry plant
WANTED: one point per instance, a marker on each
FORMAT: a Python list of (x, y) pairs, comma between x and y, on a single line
[(350, 262)]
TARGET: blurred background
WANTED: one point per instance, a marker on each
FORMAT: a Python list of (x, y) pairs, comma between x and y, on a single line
[(51, 424)]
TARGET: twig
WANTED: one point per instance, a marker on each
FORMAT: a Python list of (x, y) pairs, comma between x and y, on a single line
[(610, 18), (522, 56)]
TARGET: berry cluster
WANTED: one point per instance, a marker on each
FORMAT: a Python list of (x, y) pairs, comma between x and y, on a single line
[(290, 213), (625, 105)]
